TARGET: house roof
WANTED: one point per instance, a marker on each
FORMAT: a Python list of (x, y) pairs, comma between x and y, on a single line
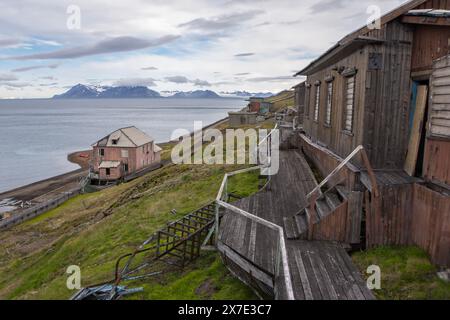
[(157, 148), (109, 164), (429, 13), (360, 35), (128, 137)]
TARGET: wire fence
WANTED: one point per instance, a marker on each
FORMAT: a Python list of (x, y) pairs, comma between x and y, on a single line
[(39, 209)]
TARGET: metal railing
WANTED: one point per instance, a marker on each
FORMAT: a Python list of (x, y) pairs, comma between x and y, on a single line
[(221, 201), (314, 195)]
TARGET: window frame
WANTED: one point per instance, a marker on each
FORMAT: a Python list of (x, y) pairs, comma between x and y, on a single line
[(348, 78), (329, 101), (316, 110)]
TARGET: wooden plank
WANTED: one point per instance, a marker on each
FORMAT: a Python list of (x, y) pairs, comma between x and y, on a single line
[(441, 99), (416, 131), (245, 265), (303, 276)]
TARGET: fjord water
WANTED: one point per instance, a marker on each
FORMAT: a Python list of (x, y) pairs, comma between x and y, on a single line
[(37, 135)]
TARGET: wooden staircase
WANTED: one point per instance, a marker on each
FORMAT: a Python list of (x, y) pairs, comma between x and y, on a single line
[(177, 244), (296, 227)]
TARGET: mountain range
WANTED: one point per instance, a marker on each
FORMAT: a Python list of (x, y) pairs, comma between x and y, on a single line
[(246, 94), (81, 91)]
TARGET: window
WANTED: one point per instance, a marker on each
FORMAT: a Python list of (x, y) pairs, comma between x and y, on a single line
[(349, 103), (329, 103), (317, 103), (108, 171), (124, 153), (101, 152)]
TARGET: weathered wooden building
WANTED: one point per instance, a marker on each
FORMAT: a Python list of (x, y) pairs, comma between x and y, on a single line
[(259, 106), (388, 89), (237, 119), (299, 100), (122, 153)]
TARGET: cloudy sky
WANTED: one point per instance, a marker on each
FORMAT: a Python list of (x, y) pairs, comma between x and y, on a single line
[(222, 45)]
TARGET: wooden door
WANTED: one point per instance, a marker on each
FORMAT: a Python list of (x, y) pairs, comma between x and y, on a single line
[(416, 130)]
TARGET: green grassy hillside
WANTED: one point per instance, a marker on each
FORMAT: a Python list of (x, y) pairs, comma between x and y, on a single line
[(93, 230)]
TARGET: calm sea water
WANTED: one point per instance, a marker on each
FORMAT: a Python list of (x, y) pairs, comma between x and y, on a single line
[(37, 135)]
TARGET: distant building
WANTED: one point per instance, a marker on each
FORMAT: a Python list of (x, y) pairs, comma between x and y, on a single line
[(299, 100), (122, 153), (237, 119), (259, 105), (254, 104)]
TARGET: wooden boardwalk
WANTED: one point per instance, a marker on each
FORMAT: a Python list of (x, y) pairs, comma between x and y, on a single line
[(318, 270)]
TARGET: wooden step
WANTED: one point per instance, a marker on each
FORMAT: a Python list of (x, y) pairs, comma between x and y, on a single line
[(314, 215), (290, 228), (301, 223), (332, 200), (322, 208), (343, 192)]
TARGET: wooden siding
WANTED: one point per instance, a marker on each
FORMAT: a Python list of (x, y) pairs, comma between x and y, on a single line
[(333, 136), (389, 217), (436, 162), (344, 224), (430, 43), (410, 214), (325, 161), (431, 224), (435, 4), (299, 99), (439, 111), (388, 90)]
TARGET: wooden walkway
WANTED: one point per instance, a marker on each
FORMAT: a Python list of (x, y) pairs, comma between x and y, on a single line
[(318, 270)]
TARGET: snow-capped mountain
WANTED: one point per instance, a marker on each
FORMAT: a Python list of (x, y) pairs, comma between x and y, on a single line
[(81, 91)]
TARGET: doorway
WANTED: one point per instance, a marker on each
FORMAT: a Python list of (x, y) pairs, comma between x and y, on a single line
[(418, 117)]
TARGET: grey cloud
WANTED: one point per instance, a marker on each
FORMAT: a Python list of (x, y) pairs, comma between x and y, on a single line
[(9, 42), (50, 66), (220, 22), (178, 79), (327, 5), (149, 68), (146, 82), (8, 77), (245, 54), (271, 79), (48, 84), (183, 79), (16, 84), (242, 74), (201, 83), (118, 44), (48, 78)]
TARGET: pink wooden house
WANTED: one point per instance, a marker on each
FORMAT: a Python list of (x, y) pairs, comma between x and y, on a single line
[(122, 153)]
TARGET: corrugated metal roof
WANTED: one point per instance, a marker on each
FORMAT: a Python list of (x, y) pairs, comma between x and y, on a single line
[(126, 137), (109, 164)]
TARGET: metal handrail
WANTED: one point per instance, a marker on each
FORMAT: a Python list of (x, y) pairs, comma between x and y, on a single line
[(358, 149), (313, 196)]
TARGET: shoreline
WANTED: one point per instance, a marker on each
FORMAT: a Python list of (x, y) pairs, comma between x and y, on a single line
[(43, 189)]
